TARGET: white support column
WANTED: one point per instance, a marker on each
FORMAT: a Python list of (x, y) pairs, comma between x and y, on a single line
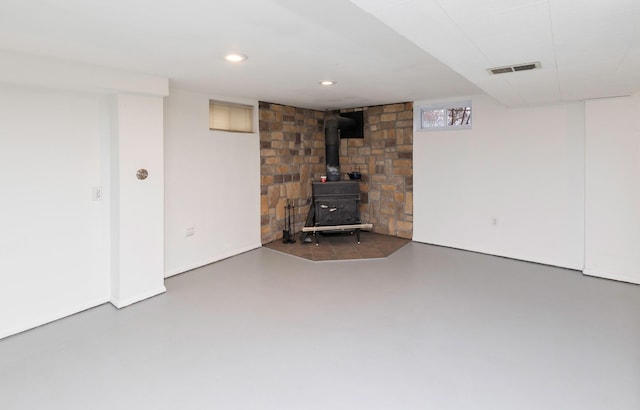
[(137, 204), (612, 200)]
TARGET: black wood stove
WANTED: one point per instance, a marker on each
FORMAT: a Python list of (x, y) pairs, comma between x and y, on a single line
[(336, 203)]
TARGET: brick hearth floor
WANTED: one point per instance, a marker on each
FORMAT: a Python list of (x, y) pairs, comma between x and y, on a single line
[(341, 246)]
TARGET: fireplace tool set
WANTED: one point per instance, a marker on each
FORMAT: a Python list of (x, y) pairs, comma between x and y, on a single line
[(288, 235)]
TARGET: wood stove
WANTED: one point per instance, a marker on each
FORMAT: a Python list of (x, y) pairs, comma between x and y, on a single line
[(336, 204)]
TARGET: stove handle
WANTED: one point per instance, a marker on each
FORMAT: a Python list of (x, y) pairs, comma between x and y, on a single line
[(327, 206)]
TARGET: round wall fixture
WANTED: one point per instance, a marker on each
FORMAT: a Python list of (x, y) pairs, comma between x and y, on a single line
[(142, 174)]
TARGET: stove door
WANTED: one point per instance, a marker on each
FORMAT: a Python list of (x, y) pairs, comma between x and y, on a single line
[(326, 212), (347, 211), (337, 211)]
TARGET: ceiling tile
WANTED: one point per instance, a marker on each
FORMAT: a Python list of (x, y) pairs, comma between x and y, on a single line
[(472, 35)]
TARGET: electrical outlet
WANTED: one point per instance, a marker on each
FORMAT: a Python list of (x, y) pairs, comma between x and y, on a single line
[(190, 231), (96, 193)]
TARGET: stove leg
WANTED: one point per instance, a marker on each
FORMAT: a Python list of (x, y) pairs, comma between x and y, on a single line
[(358, 235), (316, 235)]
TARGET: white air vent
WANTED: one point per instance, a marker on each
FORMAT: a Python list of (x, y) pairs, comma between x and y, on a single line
[(513, 68)]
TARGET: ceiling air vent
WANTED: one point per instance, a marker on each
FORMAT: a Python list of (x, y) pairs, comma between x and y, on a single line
[(501, 70), (513, 68)]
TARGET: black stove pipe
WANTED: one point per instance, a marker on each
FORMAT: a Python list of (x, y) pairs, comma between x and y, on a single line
[(332, 128)]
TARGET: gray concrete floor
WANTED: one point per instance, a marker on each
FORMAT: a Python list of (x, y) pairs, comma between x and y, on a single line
[(426, 328)]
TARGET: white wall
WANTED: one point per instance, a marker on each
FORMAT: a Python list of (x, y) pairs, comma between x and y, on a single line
[(522, 167), (137, 205), (55, 145), (54, 253), (212, 184), (612, 237)]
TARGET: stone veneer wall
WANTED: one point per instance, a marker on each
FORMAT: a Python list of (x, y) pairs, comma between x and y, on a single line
[(293, 154), (385, 159)]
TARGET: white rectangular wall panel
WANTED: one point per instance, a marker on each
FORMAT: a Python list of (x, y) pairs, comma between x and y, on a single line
[(212, 185), (612, 206), (54, 248), (137, 204), (512, 185)]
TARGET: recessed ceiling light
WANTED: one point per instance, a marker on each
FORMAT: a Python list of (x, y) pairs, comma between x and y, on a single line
[(235, 57), (327, 82)]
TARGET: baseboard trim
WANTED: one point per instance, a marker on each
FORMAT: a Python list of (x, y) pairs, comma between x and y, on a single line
[(612, 276), (521, 258), (217, 258), (120, 303), (61, 314)]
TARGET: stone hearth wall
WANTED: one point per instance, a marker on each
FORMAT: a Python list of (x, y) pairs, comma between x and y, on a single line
[(293, 154), (385, 159)]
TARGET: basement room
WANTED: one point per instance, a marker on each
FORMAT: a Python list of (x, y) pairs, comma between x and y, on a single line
[(347, 204)]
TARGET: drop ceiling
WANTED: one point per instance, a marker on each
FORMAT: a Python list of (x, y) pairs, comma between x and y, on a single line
[(378, 51)]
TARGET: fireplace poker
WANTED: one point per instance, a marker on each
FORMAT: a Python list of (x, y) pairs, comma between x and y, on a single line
[(292, 229), (286, 233)]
